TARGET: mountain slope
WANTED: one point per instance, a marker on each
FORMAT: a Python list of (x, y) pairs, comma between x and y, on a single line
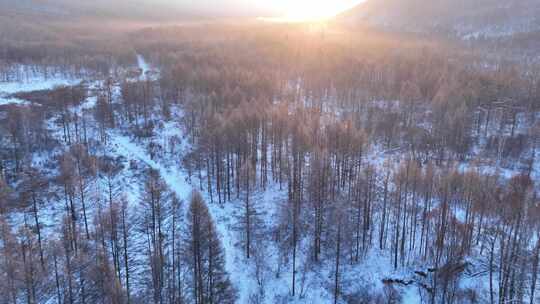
[(126, 9), (464, 18)]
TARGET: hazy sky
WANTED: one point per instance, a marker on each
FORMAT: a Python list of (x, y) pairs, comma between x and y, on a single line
[(263, 7)]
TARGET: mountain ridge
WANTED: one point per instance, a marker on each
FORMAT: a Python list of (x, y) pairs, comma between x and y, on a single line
[(132, 9), (465, 19)]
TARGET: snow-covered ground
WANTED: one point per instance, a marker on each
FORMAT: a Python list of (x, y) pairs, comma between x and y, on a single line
[(5, 100), (148, 72), (143, 64), (369, 273), (313, 282), (313, 285), (34, 82)]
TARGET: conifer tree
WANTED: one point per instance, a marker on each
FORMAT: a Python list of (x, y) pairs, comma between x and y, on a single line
[(210, 283)]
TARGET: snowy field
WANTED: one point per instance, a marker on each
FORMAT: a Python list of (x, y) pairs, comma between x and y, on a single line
[(32, 81)]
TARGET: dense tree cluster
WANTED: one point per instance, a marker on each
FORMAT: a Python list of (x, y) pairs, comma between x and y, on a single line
[(307, 119)]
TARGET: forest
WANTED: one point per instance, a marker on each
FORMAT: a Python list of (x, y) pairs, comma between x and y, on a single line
[(268, 163)]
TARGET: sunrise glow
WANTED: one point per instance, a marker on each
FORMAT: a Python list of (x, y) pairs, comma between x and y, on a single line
[(315, 10)]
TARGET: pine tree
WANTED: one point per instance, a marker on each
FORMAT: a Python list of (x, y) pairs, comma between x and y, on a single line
[(210, 283), (156, 213)]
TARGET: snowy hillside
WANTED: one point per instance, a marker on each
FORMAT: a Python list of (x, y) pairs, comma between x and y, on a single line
[(465, 19)]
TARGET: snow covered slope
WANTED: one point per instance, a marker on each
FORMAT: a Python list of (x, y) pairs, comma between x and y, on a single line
[(466, 19)]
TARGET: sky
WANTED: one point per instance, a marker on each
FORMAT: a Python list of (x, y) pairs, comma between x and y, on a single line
[(285, 9), (294, 9)]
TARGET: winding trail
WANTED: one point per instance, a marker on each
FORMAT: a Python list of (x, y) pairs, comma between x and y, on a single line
[(225, 216), (177, 181)]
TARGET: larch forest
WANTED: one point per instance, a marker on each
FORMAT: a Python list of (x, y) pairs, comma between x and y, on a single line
[(382, 157)]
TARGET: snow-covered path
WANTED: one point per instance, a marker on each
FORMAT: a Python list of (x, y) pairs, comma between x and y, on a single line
[(226, 218), (177, 180), (143, 65)]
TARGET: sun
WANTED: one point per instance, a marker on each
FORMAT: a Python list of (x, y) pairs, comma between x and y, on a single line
[(316, 10)]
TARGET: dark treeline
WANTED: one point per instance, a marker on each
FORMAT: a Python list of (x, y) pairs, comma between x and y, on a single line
[(380, 144), (62, 46)]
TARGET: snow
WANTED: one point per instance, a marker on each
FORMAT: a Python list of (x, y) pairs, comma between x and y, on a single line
[(36, 82), (240, 269), (143, 64), (4, 100), (411, 296), (367, 274), (175, 178)]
